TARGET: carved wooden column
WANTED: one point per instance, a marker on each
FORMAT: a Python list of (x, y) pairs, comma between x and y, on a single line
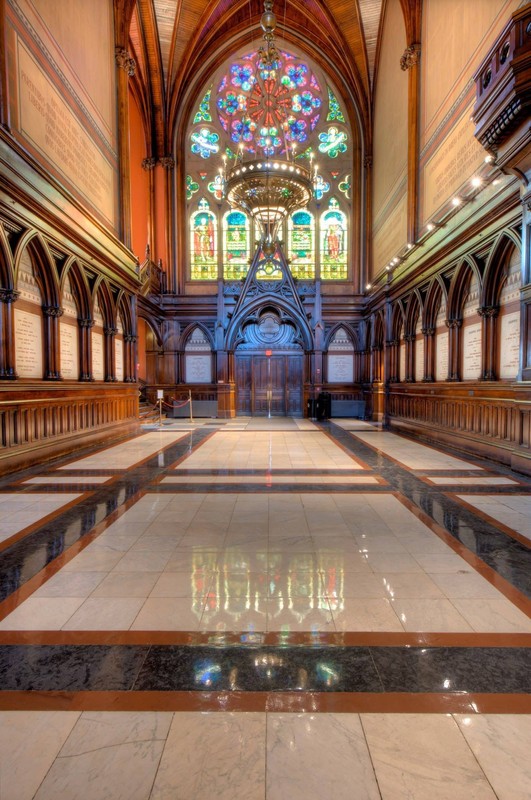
[(393, 346), (429, 354), (52, 354), (489, 347), (454, 349), (110, 354), (376, 363), (410, 61), (130, 358), (85, 372), (410, 339), (7, 331), (126, 69), (175, 281)]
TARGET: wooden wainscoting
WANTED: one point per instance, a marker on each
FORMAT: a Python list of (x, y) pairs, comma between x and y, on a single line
[(39, 421), (488, 419)]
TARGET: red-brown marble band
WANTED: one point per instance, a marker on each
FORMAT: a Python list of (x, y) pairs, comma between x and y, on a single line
[(279, 702), (272, 639)]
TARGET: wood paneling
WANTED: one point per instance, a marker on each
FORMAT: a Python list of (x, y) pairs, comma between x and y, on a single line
[(493, 420), (38, 423)]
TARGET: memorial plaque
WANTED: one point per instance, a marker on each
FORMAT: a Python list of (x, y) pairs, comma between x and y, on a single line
[(340, 368), (198, 368), (69, 337), (419, 358), (472, 352), (28, 344), (98, 369), (51, 126), (402, 361), (441, 356), (119, 358), (509, 345)]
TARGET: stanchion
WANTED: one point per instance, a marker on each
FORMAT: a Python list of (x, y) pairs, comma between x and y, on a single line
[(160, 412), (190, 401)]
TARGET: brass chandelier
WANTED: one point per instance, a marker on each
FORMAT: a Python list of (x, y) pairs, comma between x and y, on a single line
[(268, 189)]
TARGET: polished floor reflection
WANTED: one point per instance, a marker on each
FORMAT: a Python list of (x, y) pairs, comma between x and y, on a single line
[(265, 608)]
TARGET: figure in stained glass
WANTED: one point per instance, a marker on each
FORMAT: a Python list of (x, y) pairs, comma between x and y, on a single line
[(333, 243), (203, 243), (236, 245), (301, 245)]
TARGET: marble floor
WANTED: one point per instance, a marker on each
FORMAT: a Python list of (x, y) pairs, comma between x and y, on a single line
[(265, 608)]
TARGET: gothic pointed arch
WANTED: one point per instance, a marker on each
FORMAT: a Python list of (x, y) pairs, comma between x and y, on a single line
[(44, 267), (269, 285), (459, 287), (497, 268)]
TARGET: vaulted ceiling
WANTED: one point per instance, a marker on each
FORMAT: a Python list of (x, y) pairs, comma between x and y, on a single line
[(173, 41)]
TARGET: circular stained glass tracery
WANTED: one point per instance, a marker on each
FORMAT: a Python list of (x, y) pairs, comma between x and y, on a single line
[(269, 110)]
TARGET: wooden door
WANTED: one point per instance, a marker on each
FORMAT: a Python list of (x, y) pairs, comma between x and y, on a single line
[(269, 383), (281, 374)]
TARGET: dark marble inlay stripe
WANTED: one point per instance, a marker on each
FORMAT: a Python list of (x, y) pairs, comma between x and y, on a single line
[(171, 668)]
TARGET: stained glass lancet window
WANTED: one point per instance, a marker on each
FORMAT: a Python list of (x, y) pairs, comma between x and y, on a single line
[(334, 243), (236, 252), (233, 115), (203, 243), (301, 245)]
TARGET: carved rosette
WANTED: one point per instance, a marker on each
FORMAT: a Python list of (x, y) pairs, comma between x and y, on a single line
[(454, 323), (85, 323), (149, 163), (167, 162), (489, 311), (52, 311), (110, 331), (125, 61), (410, 57), (8, 295)]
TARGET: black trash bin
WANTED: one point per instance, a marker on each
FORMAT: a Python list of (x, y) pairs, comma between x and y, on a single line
[(324, 403), (311, 408)]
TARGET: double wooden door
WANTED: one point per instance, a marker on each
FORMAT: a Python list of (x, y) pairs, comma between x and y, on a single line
[(269, 385)]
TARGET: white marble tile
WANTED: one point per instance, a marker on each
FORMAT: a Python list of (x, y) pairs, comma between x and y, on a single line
[(421, 757), (464, 585), (501, 745), (126, 584), (216, 755), (317, 756), (126, 454), (108, 756), (29, 743), (105, 614), (412, 454), (430, 615), (496, 615), (70, 584), (41, 614), (181, 584), (366, 615), (442, 562), (169, 614), (491, 480), (53, 478)]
